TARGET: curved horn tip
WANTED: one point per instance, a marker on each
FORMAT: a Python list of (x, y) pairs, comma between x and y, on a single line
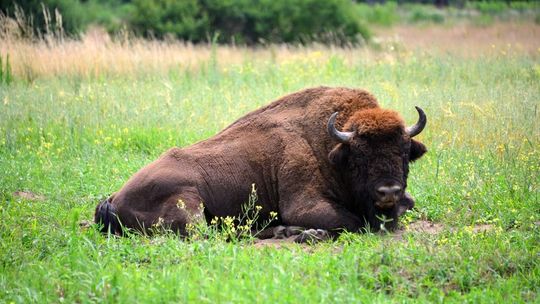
[(342, 137), (420, 124), (332, 121), (421, 114)]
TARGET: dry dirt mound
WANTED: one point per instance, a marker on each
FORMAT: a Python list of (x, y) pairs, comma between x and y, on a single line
[(277, 243), (29, 195)]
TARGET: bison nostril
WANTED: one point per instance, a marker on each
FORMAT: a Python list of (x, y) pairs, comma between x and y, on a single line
[(388, 191)]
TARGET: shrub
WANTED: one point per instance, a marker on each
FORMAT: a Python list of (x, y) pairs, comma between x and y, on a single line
[(420, 13), (382, 14), (184, 19), (53, 17), (45, 15), (245, 21), (489, 7)]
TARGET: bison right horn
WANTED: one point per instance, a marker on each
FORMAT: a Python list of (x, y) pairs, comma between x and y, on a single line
[(342, 137), (417, 128)]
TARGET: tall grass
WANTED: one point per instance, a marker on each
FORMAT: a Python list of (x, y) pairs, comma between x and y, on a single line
[(6, 74), (97, 55)]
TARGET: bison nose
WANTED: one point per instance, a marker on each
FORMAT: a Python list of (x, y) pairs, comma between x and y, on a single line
[(389, 194)]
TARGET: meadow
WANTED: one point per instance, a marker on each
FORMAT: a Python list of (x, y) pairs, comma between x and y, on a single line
[(80, 117)]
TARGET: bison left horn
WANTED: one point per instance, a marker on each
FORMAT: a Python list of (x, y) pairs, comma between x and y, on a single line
[(417, 128), (342, 137)]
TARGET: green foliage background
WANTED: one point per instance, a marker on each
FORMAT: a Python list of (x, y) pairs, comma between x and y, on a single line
[(241, 21), (252, 22), (245, 21)]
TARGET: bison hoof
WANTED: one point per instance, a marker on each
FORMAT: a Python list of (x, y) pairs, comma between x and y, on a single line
[(283, 232), (312, 236)]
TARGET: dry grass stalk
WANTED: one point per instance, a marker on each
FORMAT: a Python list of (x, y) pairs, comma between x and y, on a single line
[(96, 53)]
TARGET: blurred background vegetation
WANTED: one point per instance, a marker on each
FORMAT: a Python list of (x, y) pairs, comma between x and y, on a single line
[(246, 21)]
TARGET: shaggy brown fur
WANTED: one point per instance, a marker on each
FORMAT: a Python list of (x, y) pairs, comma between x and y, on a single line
[(375, 122), (299, 170)]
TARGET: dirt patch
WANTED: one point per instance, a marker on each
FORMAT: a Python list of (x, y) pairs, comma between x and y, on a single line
[(28, 195), (432, 228), (425, 227), (482, 228), (418, 227), (276, 243), (84, 224)]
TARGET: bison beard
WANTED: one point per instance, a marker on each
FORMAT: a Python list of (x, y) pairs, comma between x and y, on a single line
[(314, 176)]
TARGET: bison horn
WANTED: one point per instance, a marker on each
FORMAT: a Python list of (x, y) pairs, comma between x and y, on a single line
[(342, 137), (417, 128)]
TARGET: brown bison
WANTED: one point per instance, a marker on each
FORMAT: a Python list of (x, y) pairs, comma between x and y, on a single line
[(313, 175)]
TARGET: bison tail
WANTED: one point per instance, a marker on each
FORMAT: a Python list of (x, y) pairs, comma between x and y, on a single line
[(107, 217)]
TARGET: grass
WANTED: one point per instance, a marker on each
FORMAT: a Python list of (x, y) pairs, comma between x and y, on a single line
[(73, 138), (479, 13)]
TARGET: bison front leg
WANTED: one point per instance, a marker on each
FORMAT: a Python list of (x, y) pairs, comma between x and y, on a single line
[(300, 234), (314, 236), (302, 203), (320, 218)]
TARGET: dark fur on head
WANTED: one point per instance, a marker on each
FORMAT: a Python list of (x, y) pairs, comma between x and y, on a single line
[(378, 153)]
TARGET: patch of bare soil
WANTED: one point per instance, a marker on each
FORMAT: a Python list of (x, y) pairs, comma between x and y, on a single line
[(419, 227), (85, 224), (425, 226), (28, 195), (276, 243), (432, 228), (482, 228)]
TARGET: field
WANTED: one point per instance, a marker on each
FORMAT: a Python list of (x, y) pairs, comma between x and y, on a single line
[(81, 117)]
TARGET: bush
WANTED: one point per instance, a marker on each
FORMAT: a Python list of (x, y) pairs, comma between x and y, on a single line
[(42, 14), (184, 19), (420, 13), (382, 14), (489, 7), (522, 6), (249, 22), (73, 15)]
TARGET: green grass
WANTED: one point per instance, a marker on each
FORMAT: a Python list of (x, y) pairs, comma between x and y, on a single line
[(76, 140), (477, 12)]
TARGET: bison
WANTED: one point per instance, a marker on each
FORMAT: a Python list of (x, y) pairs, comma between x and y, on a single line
[(324, 159)]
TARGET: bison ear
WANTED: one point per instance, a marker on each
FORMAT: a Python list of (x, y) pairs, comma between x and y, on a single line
[(417, 150), (338, 156)]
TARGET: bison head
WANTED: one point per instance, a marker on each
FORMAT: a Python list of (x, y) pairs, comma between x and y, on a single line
[(373, 156)]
